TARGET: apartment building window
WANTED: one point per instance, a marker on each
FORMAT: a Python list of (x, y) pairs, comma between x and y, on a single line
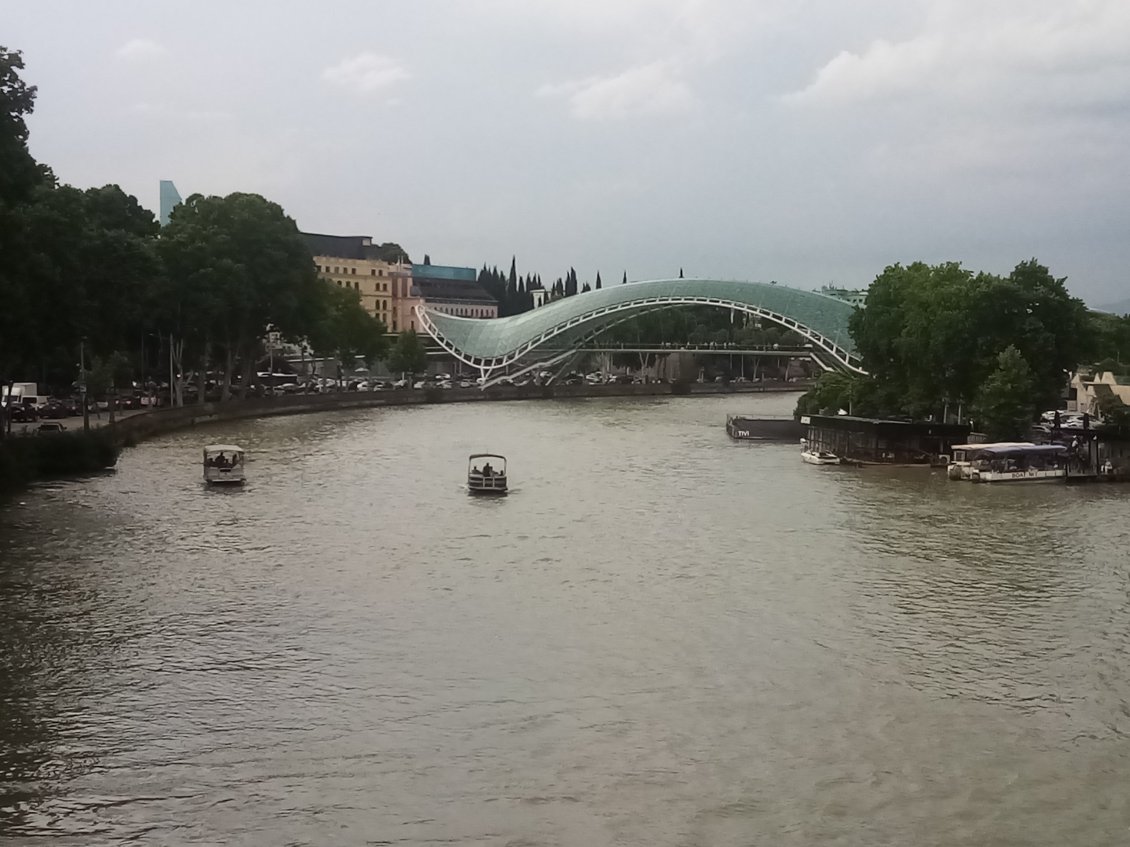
[(356, 286), (373, 271)]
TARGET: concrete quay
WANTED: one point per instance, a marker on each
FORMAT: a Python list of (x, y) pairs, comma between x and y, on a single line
[(138, 425)]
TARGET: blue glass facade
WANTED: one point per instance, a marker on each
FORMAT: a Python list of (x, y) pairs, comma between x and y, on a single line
[(170, 197)]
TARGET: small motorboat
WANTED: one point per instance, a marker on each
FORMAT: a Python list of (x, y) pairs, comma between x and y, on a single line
[(486, 473), (223, 464), (816, 457), (819, 457)]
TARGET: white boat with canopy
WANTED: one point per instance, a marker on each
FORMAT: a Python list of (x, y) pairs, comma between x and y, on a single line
[(486, 473), (223, 464), (961, 460), (1018, 462)]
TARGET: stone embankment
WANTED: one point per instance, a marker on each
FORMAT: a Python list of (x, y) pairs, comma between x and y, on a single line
[(142, 425)]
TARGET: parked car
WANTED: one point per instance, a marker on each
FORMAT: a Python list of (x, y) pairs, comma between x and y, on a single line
[(49, 427), (23, 414)]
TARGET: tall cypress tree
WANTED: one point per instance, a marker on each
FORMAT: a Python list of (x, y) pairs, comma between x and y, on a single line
[(598, 280), (624, 281)]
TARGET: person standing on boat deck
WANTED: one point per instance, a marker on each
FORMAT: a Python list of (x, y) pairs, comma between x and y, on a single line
[(487, 470)]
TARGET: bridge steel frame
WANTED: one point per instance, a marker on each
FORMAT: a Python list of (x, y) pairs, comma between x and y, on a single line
[(585, 316)]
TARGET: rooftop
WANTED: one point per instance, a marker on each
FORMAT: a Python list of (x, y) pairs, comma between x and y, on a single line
[(439, 290), (444, 272)]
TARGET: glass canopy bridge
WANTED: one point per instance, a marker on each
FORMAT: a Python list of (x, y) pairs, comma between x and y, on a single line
[(552, 334)]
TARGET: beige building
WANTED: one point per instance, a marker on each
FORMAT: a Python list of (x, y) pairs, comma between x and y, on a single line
[(391, 291), (404, 301), (1089, 390), (350, 261)]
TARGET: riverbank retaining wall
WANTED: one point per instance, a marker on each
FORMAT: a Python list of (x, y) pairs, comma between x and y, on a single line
[(144, 425)]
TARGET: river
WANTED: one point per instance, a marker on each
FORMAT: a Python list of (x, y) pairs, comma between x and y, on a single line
[(661, 637)]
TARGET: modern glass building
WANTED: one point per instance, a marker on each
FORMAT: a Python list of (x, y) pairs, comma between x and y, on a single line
[(170, 198)]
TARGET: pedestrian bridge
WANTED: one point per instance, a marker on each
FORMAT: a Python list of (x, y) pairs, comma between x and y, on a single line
[(551, 333)]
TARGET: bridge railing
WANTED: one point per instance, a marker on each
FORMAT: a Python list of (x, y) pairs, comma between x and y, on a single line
[(674, 346)]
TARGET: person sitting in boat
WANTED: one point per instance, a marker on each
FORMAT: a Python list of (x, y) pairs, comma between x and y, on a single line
[(475, 470)]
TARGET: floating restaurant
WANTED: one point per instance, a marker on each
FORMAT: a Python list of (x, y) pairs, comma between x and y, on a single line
[(888, 442)]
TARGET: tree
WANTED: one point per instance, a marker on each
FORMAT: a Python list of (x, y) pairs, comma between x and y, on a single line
[(624, 281), (392, 252), (680, 273), (409, 355), (1111, 335), (597, 286), (237, 268), (427, 259), (1005, 406), (86, 268), (19, 173), (931, 335), (348, 332)]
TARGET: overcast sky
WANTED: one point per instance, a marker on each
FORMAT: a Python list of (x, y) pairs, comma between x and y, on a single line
[(807, 141)]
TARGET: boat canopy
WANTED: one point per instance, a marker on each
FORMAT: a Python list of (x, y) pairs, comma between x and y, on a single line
[(984, 444), (222, 448), (1020, 449), (487, 456)]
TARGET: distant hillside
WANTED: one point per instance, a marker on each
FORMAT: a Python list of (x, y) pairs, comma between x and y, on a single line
[(1122, 307)]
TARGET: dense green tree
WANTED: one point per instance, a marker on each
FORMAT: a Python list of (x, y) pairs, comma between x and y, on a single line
[(408, 355), (1005, 406), (392, 253), (347, 332), (833, 392), (930, 335), (19, 173), (86, 270), (1111, 339), (238, 267)]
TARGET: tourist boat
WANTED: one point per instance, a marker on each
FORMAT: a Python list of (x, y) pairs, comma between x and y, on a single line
[(817, 457), (1019, 462), (223, 464), (960, 465), (486, 473)]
